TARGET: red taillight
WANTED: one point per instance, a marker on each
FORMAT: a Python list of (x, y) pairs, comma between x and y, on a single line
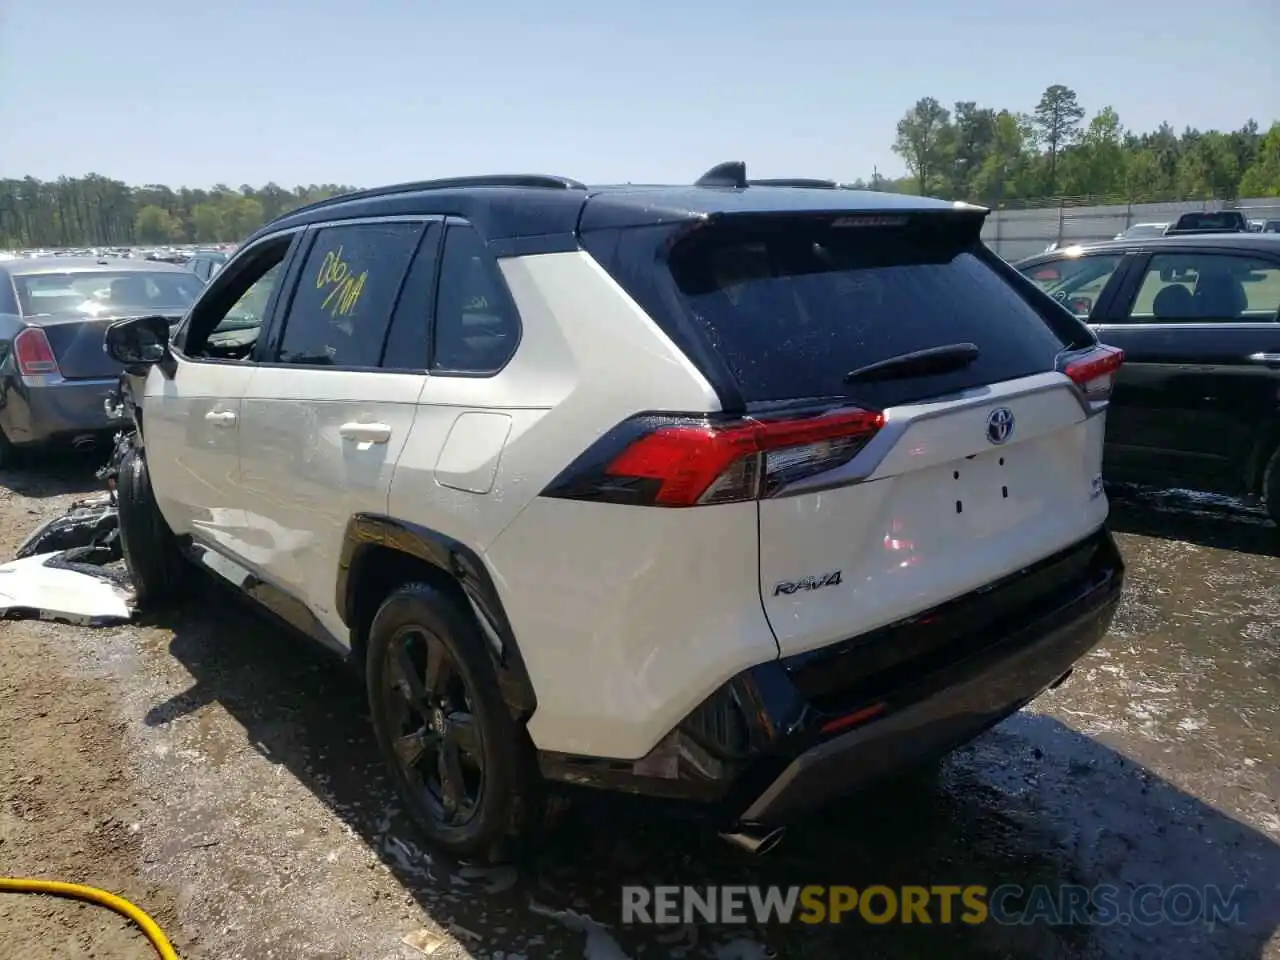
[(1095, 372), (33, 354), (691, 464)]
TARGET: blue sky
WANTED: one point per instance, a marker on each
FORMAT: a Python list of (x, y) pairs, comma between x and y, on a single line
[(375, 91)]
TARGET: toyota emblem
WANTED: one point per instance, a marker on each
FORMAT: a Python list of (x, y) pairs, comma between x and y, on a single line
[(1000, 425)]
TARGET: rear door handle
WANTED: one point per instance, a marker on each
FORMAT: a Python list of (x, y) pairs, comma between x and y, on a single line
[(220, 418), (365, 432), (1266, 359)]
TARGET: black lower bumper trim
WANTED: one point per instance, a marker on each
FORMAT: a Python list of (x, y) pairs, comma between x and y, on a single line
[(1000, 683)]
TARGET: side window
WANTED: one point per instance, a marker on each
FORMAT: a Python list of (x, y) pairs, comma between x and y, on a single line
[(410, 332), (226, 321), (1198, 287), (1077, 282), (346, 289), (477, 328)]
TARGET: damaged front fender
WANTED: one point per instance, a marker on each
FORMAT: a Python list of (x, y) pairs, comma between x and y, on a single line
[(55, 587)]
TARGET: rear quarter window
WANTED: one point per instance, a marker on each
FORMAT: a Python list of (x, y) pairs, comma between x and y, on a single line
[(792, 310)]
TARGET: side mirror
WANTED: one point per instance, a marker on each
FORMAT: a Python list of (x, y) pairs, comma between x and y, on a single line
[(138, 341)]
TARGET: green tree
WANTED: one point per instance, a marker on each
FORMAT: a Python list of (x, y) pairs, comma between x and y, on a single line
[(241, 215), (1209, 166), (1144, 178), (1097, 165), (973, 137), (206, 223), (923, 137), (1262, 179), (155, 224), (96, 210), (1006, 163), (1057, 117)]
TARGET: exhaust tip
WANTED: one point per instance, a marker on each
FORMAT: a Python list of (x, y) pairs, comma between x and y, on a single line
[(755, 839)]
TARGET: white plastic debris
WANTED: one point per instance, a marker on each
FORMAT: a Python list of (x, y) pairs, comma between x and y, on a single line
[(600, 943), (425, 941), (43, 588)]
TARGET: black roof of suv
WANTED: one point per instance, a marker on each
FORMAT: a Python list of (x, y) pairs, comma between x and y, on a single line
[(534, 208)]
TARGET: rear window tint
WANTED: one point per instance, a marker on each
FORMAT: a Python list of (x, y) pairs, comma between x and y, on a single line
[(1222, 220), (792, 311)]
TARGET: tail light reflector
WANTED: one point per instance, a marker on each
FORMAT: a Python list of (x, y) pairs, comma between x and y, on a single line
[(684, 462), (33, 354), (1094, 372)]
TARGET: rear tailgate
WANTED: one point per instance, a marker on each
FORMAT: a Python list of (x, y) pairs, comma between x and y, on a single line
[(977, 472), (942, 510)]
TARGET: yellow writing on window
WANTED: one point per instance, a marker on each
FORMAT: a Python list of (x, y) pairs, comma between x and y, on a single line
[(342, 283)]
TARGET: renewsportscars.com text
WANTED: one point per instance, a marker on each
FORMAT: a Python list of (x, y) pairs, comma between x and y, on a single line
[(972, 904)]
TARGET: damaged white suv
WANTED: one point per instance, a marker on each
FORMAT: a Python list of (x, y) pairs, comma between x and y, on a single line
[(741, 493)]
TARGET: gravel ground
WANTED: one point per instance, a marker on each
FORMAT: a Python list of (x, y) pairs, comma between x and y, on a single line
[(222, 775)]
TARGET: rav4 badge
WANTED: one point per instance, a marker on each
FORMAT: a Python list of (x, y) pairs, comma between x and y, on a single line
[(788, 587)]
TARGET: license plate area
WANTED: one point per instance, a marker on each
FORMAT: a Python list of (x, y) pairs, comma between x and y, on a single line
[(980, 485)]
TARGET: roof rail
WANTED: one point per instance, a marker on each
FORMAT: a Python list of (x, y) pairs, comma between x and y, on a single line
[(516, 180), (803, 182), (732, 173)]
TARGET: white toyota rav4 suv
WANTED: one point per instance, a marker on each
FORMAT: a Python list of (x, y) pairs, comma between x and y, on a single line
[(743, 493)]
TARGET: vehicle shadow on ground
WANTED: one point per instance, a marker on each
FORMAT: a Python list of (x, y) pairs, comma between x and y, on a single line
[(56, 474), (1032, 802), (1204, 519)]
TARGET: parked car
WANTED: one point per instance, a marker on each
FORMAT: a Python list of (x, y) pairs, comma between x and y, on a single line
[(1221, 221), (736, 494), (54, 371), (1140, 231), (205, 263), (1271, 226), (1198, 402)]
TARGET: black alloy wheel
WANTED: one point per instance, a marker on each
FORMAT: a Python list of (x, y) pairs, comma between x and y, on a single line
[(437, 743)]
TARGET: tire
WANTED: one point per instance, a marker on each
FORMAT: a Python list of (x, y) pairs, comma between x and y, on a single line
[(458, 725), (156, 566), (8, 452), (1271, 486)]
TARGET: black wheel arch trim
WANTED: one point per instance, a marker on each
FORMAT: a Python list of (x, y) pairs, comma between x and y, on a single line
[(366, 531)]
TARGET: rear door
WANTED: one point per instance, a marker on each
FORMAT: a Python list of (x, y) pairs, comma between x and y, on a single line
[(327, 412), (1202, 365), (977, 471)]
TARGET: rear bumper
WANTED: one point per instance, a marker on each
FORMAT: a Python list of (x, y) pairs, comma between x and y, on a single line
[(981, 695), (767, 747), (46, 411)]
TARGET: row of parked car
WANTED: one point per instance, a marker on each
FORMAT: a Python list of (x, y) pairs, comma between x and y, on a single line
[(737, 493), (1225, 221)]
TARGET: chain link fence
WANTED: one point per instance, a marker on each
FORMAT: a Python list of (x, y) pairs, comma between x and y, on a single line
[(1015, 234)]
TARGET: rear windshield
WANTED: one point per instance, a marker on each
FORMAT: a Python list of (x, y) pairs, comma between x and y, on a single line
[(793, 310), (103, 292), (1224, 220)]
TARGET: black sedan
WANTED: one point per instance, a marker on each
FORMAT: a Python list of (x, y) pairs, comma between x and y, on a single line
[(1197, 402), (54, 372)]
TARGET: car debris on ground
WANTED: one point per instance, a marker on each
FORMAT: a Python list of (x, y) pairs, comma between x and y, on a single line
[(69, 568)]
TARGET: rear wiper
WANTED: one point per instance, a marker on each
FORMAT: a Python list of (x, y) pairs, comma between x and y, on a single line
[(920, 363)]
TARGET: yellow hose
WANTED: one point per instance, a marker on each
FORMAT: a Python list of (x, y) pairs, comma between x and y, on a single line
[(77, 891)]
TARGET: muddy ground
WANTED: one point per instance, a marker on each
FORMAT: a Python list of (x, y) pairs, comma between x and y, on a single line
[(222, 775)]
